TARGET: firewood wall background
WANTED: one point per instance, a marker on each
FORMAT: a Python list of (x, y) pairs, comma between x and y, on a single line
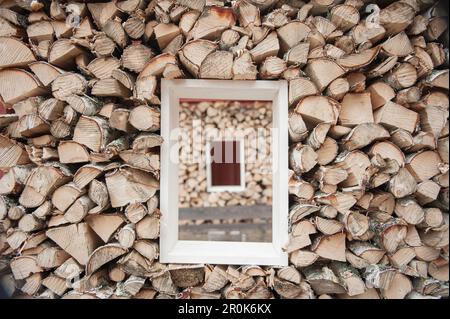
[(368, 159)]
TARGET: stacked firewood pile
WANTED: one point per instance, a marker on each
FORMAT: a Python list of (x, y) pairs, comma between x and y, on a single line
[(249, 123), (368, 95)]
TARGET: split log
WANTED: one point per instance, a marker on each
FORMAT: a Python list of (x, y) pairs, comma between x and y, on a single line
[(146, 248), (30, 223), (12, 153), (193, 53), (32, 284), (380, 94), (18, 84), (396, 17), (401, 77), (300, 88), (42, 181), (402, 184), (78, 240), (156, 65), (291, 34), (409, 210), (79, 209), (338, 89), (186, 275), (104, 225), (421, 171), (14, 53), (62, 53), (128, 185), (330, 247), (145, 118), (350, 278), (144, 90), (93, 132), (212, 22), (323, 71), (390, 234), (14, 178), (103, 255), (400, 286), (217, 65), (110, 87), (363, 135), (102, 12), (323, 280), (72, 152), (24, 266), (298, 55), (165, 33), (103, 45), (393, 115), (358, 60), (127, 236), (344, 17), (135, 57), (52, 257), (148, 228), (243, 68), (302, 158), (356, 108), (134, 27), (318, 109)]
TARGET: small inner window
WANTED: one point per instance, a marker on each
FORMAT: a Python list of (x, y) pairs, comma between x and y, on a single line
[(225, 165)]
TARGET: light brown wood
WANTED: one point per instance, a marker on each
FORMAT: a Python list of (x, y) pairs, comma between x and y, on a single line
[(415, 165), (318, 109), (212, 22), (356, 108), (72, 152), (217, 65), (323, 71), (402, 76), (78, 240), (323, 280), (102, 255), (393, 115), (363, 135), (380, 94), (24, 266), (18, 84), (330, 247), (93, 132), (267, 47), (135, 57), (148, 228), (396, 17), (12, 153), (145, 118), (243, 68), (137, 185), (14, 53), (33, 196), (62, 53)]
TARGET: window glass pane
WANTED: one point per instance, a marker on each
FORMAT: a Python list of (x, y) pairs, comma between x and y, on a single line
[(225, 164)]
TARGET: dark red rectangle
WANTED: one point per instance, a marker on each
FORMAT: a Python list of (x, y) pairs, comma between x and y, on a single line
[(226, 171)]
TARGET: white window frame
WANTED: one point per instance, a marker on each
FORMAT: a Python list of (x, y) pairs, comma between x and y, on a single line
[(173, 250), (225, 188)]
